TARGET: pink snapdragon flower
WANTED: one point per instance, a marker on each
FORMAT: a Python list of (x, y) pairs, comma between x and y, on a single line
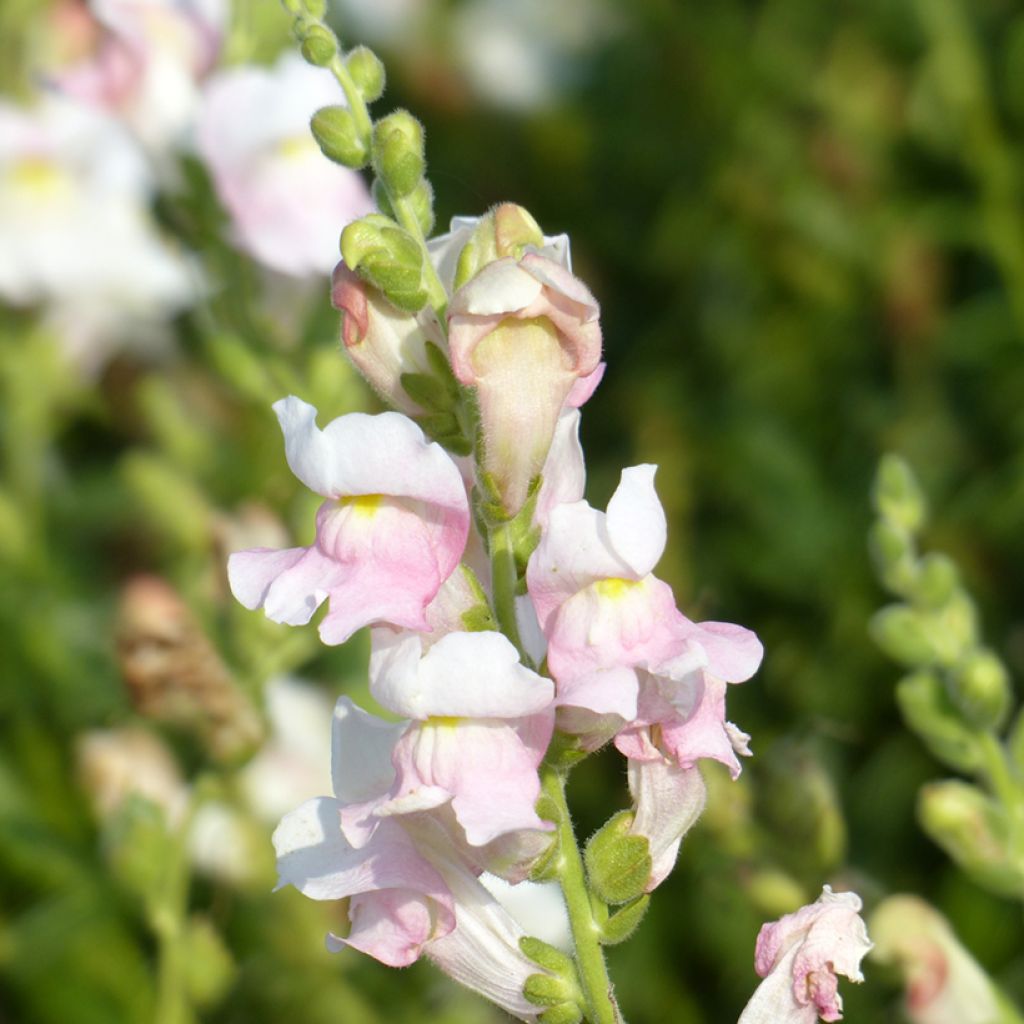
[(483, 725), (287, 201), (391, 531), (411, 890), (800, 957), (147, 62), (605, 614), (522, 333)]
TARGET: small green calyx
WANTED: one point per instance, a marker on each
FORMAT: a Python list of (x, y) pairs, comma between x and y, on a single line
[(548, 957), (319, 45), (566, 1013), (618, 862), (504, 231), (621, 925), (550, 990), (367, 72), (335, 131), (398, 152), (388, 257)]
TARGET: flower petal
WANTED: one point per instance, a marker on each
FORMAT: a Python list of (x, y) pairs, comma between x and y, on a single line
[(636, 520), (361, 748)]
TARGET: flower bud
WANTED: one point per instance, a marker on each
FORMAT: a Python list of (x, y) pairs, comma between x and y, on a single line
[(904, 635), (208, 965), (521, 333), (892, 551), (421, 202), (944, 983), (504, 231), (398, 152), (897, 496), (388, 257), (930, 713), (389, 347), (936, 582), (319, 45), (367, 72), (980, 688), (618, 863), (974, 831), (334, 129)]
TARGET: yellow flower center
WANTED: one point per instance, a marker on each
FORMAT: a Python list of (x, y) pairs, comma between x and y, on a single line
[(616, 588), (365, 506)]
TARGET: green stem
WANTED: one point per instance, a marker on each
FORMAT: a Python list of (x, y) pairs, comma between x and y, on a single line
[(601, 1007), (503, 583), (356, 103), (1004, 783)]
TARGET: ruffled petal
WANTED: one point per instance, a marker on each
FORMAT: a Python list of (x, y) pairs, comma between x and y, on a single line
[(361, 749)]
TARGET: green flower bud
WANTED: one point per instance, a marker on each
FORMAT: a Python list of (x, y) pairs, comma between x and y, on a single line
[(892, 551), (774, 893), (398, 152), (381, 198), (388, 257), (980, 688), (367, 72), (621, 925), (937, 581), (904, 634), (974, 831), (334, 129), (930, 713), (618, 863), (504, 231), (319, 45), (421, 200), (897, 495)]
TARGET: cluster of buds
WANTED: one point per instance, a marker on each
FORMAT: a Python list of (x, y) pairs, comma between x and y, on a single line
[(957, 696), (514, 628)]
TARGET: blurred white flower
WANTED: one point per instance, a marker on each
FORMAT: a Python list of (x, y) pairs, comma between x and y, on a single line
[(76, 236), (294, 765), (521, 53), (145, 63), (287, 201)]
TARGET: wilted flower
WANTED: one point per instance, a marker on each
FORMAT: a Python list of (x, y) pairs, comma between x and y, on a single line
[(800, 957)]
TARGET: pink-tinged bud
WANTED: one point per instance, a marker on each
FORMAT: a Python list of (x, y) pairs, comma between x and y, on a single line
[(382, 342), (944, 983), (800, 957), (522, 333)]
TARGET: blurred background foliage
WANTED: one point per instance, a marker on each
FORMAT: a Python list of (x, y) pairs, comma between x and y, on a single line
[(805, 224)]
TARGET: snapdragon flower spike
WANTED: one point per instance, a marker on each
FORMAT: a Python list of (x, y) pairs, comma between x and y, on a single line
[(391, 531), (399, 901), (483, 725), (522, 333), (800, 957)]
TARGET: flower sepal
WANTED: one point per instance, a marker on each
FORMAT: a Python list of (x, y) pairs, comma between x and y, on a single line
[(618, 862)]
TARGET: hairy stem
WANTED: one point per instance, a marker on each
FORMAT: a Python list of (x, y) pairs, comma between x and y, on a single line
[(503, 581), (601, 1007)]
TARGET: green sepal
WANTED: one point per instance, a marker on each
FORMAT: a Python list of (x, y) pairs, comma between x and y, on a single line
[(618, 863), (564, 751), (548, 957), (893, 553), (565, 1013), (334, 129), (929, 712), (421, 201), (428, 392), (621, 925), (319, 45), (478, 619), (903, 634), (367, 72), (439, 423), (381, 198), (936, 581), (549, 990), (388, 257)]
